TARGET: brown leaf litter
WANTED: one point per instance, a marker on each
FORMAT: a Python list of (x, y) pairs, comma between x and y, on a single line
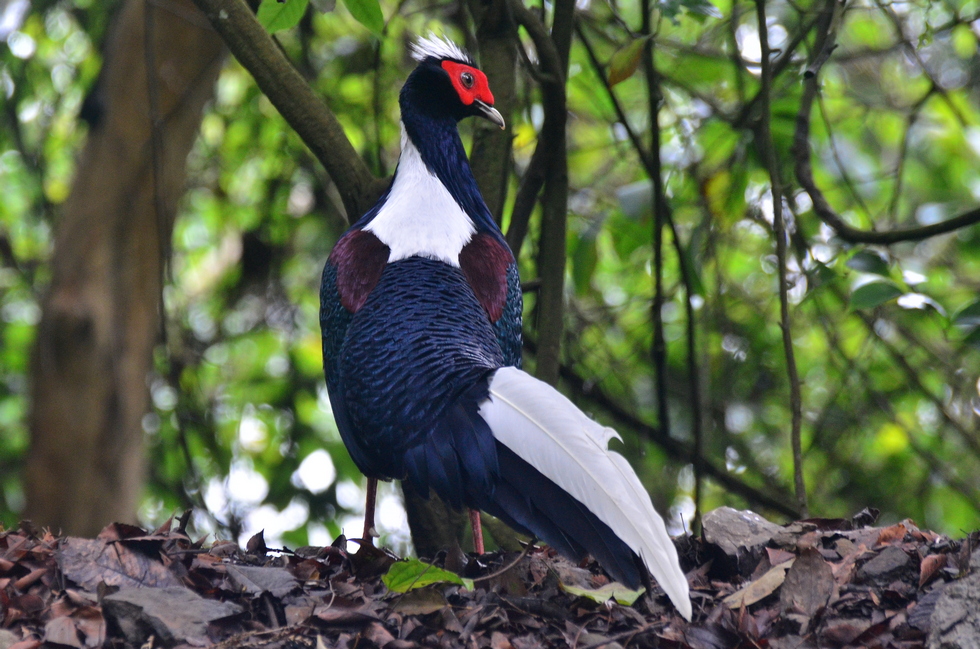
[(814, 583)]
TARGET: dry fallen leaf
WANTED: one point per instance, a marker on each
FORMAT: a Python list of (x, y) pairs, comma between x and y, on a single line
[(891, 534), (808, 585), (759, 589), (88, 562), (930, 567), (777, 556)]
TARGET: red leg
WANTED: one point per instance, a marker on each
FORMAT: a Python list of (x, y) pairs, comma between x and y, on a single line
[(477, 531), (372, 495)]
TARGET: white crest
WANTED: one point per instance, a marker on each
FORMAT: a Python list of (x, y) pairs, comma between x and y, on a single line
[(438, 47)]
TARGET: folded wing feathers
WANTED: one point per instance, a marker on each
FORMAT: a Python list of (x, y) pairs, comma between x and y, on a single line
[(548, 431)]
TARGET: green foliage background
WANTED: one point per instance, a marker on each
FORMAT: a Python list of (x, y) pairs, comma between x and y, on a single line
[(886, 338)]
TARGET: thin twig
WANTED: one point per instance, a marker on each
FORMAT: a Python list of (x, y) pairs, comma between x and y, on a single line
[(651, 163), (903, 150), (852, 369), (673, 448), (969, 438), (779, 231), (497, 573), (804, 170), (160, 208), (660, 208)]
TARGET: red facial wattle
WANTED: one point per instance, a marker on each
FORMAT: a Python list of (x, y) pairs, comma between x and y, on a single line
[(477, 89)]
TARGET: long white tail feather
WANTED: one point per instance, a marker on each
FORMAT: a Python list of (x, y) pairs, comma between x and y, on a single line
[(549, 432)]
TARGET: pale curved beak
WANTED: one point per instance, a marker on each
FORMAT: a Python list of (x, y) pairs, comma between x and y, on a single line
[(491, 113)]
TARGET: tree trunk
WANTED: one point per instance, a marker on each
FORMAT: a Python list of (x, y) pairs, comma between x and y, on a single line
[(101, 315), (492, 147)]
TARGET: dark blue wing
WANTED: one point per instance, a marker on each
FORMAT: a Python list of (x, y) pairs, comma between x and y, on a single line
[(508, 326), (412, 370), (334, 322)]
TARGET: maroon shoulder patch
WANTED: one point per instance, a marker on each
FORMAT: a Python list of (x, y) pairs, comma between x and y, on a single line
[(484, 262), (360, 258)]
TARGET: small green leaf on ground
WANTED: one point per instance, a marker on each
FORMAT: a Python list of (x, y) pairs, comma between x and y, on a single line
[(404, 576), (421, 601), (625, 61), (868, 296), (368, 13), (614, 590), (276, 16)]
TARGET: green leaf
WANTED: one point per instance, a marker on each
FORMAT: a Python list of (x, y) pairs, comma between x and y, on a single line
[(702, 7), (368, 13), (276, 16), (404, 576), (818, 277), (973, 338), (692, 266), (584, 261), (868, 262), (698, 8), (874, 294), (969, 316), (625, 61), (615, 590)]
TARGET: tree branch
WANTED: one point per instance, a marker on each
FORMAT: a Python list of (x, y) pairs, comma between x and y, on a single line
[(292, 96), (804, 170)]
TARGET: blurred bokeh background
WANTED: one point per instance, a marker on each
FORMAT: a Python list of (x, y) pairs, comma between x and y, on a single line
[(229, 408)]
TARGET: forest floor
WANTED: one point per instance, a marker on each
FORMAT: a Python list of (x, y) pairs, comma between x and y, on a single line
[(813, 583)]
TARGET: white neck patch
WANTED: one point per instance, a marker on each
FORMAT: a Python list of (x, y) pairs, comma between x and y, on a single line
[(420, 217)]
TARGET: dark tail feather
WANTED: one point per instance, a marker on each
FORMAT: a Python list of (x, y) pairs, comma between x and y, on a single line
[(531, 503), (458, 458)]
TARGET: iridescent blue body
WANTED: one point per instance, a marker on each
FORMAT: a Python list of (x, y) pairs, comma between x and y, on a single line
[(407, 343), (420, 307)]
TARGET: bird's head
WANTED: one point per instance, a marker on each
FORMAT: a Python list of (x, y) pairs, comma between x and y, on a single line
[(446, 84)]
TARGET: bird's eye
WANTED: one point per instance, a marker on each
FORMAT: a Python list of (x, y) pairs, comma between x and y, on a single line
[(467, 79)]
